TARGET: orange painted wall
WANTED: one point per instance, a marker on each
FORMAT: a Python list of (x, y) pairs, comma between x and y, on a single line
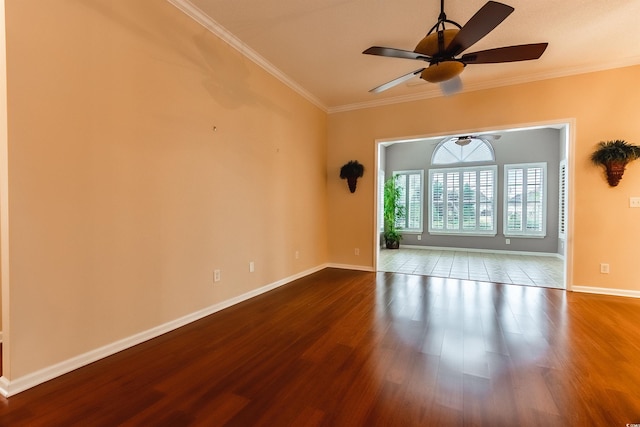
[(122, 198), (4, 243), (604, 105)]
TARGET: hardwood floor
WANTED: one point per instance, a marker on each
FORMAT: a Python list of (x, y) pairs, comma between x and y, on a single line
[(346, 348)]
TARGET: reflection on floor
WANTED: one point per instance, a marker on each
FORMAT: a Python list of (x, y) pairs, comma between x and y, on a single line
[(543, 271)]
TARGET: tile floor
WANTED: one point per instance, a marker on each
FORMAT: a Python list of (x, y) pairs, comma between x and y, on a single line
[(543, 271)]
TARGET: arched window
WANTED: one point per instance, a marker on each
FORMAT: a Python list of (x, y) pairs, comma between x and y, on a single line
[(462, 150), (463, 197)]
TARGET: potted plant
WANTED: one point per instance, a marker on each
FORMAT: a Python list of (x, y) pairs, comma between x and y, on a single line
[(351, 172), (391, 213), (614, 156)]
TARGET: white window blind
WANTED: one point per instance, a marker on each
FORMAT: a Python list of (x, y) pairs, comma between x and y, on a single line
[(411, 198), (525, 200), (562, 203), (463, 200)]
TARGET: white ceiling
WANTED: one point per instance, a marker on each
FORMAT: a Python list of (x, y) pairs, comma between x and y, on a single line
[(316, 45)]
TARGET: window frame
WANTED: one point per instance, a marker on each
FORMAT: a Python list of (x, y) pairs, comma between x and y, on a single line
[(457, 152), (524, 233), (408, 173), (460, 231)]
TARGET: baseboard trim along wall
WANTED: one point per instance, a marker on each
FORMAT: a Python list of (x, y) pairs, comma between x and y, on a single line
[(488, 251), (606, 291), (9, 388), (366, 268)]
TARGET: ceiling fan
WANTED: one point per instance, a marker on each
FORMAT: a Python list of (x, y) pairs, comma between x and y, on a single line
[(466, 139), (441, 46)]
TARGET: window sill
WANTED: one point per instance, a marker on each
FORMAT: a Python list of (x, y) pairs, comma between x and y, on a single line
[(525, 236), (443, 233)]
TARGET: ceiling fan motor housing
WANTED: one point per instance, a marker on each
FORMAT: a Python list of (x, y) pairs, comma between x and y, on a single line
[(429, 44), (434, 45)]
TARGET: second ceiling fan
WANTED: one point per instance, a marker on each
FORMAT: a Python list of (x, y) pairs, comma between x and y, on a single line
[(441, 46)]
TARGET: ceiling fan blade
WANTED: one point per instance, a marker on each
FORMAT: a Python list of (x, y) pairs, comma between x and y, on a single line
[(395, 82), (486, 19), (523, 52), (395, 53)]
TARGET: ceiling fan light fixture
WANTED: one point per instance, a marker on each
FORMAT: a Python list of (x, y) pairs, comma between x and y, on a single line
[(442, 71)]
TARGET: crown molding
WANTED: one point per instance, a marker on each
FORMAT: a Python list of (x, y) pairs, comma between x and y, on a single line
[(207, 22), (432, 93), (435, 93)]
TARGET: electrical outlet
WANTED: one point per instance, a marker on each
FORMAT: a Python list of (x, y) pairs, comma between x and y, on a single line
[(419, 236), (297, 254), (356, 251), (604, 268), (508, 241), (252, 267), (634, 202), (216, 275)]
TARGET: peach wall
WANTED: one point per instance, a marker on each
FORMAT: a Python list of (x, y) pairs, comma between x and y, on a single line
[(604, 106), (122, 198), (4, 242)]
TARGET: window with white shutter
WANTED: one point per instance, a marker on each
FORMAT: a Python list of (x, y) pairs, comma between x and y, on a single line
[(411, 190), (525, 201), (463, 200), (562, 203)]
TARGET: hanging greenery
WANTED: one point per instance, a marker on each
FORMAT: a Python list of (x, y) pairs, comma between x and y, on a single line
[(351, 172), (614, 156)]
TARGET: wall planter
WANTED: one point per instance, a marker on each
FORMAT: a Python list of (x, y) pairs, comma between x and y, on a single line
[(351, 172), (614, 156)]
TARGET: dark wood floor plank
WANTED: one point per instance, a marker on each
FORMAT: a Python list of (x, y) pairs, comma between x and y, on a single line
[(348, 348)]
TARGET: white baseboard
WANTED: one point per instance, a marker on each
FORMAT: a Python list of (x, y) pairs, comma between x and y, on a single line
[(489, 251), (352, 267), (12, 387), (606, 291)]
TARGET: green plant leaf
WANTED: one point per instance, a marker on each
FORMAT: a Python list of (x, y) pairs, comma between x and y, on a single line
[(615, 151)]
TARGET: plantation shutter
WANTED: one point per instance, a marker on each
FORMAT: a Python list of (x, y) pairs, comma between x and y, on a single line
[(562, 203), (525, 199), (410, 185), (463, 200)]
